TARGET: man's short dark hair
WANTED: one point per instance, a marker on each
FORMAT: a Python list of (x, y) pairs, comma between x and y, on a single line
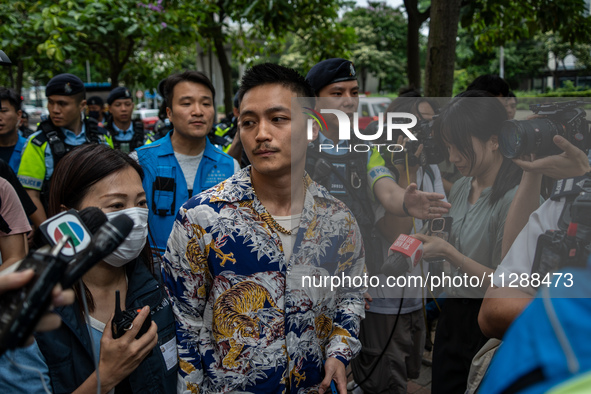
[(187, 76), (491, 83), (269, 73), (11, 96)]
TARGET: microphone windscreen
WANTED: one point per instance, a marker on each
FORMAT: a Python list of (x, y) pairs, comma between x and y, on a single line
[(93, 218)]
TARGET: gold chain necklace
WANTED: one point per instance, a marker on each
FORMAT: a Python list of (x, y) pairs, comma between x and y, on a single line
[(269, 219)]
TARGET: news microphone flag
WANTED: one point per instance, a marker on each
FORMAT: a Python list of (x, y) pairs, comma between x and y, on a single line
[(409, 247), (67, 223)]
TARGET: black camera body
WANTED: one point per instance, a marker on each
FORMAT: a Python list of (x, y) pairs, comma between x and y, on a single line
[(556, 249), (524, 137), (566, 248), (432, 154)]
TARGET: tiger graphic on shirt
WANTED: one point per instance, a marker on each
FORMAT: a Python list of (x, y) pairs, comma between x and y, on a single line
[(231, 317)]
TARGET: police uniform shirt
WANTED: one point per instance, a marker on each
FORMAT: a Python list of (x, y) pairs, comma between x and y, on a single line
[(37, 165), (343, 145), (123, 135)]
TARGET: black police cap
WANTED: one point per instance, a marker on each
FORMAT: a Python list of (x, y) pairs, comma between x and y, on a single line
[(120, 92), (64, 85), (95, 100), (330, 71)]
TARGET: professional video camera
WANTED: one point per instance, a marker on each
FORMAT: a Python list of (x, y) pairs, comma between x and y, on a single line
[(523, 137), (570, 245)]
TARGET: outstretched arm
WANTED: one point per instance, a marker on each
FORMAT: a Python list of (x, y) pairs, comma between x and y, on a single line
[(418, 204)]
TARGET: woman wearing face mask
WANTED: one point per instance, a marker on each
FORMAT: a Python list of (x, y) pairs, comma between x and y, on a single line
[(469, 128), (97, 176)]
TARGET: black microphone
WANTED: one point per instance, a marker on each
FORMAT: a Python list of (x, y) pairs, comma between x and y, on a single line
[(108, 237), (21, 309), (93, 218)]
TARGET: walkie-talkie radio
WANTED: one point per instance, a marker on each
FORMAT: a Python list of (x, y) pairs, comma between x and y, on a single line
[(123, 320)]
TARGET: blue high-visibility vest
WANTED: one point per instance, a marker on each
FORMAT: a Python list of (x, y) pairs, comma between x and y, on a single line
[(165, 185)]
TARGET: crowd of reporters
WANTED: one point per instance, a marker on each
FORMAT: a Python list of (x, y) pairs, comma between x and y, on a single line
[(74, 161)]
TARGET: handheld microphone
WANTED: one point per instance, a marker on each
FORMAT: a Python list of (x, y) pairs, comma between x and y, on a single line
[(405, 253), (108, 237), (21, 309)]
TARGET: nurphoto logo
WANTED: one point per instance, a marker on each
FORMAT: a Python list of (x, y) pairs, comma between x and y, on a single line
[(394, 121)]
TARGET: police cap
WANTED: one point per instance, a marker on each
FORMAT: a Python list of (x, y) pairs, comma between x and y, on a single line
[(64, 85), (330, 71), (95, 100), (120, 92)]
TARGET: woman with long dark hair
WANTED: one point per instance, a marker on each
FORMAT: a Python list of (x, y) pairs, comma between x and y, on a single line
[(98, 176), (469, 128)]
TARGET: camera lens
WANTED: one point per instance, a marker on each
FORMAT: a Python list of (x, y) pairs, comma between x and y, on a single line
[(522, 137)]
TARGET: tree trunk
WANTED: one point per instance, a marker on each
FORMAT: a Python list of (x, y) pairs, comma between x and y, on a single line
[(363, 80), (441, 48), (415, 20), (218, 42), (115, 70), (20, 70)]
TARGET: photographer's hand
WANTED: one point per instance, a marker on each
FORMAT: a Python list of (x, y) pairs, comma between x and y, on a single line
[(570, 163)]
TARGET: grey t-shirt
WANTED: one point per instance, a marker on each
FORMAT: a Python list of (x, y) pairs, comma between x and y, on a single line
[(477, 229), (189, 166)]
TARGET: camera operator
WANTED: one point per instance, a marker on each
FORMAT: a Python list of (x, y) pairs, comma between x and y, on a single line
[(503, 304), (537, 352)]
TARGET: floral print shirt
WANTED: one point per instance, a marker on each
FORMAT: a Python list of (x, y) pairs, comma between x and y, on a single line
[(246, 319)]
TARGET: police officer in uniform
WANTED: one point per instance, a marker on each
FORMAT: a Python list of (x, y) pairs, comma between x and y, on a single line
[(222, 134), (95, 109), (11, 143), (184, 162), (352, 176), (127, 135), (65, 128)]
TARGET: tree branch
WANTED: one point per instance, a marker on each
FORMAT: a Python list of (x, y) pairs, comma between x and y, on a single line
[(100, 47), (130, 45), (423, 16)]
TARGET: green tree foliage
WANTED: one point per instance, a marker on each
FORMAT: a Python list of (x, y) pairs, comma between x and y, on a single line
[(305, 49), (19, 38), (494, 22), (381, 44), (523, 59), (256, 28), (111, 33)]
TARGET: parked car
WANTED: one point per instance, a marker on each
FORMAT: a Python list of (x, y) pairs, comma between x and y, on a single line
[(369, 108), (148, 116)]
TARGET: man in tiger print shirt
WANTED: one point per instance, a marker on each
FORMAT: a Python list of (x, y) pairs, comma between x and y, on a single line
[(239, 254)]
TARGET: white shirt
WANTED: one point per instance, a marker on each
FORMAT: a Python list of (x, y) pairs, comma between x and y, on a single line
[(520, 257)]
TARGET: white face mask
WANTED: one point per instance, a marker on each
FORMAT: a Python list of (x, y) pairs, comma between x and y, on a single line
[(135, 241)]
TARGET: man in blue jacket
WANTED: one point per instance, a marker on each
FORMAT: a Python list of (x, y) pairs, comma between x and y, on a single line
[(183, 163), (11, 143)]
